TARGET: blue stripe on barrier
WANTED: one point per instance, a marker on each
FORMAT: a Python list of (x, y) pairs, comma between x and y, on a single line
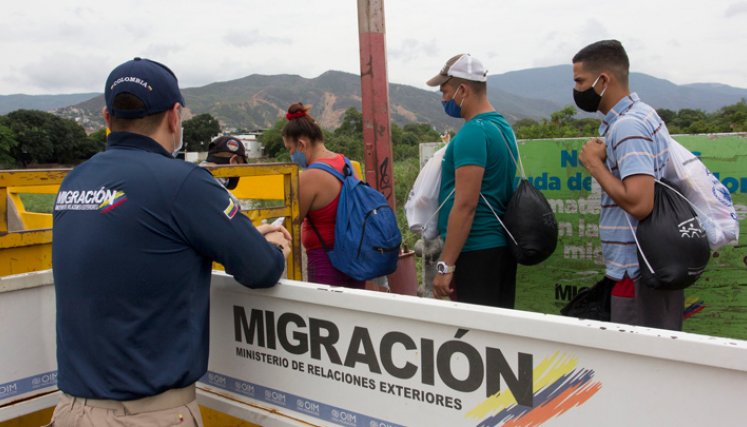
[(293, 402), (28, 384)]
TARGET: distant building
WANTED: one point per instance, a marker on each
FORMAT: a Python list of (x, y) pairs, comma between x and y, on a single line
[(250, 140), (194, 156), (252, 145)]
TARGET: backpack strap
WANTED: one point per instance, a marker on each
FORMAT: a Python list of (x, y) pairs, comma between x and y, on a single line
[(318, 235), (640, 250), (499, 219), (422, 230), (347, 169), (519, 165)]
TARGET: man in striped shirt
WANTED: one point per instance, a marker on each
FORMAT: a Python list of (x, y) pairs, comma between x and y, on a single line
[(625, 162)]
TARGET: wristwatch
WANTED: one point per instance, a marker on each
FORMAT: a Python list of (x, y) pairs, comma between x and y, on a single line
[(443, 268)]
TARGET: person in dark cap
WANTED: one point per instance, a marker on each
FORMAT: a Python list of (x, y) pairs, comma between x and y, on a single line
[(135, 234), (226, 150)]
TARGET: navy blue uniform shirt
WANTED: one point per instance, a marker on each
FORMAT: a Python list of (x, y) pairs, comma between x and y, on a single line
[(135, 232)]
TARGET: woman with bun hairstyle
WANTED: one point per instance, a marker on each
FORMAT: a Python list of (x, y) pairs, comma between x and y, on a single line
[(319, 194)]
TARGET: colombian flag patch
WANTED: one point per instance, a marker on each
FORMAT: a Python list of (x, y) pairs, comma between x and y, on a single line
[(111, 203), (231, 209)]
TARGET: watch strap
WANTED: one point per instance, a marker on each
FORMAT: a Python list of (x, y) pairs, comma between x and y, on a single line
[(443, 268)]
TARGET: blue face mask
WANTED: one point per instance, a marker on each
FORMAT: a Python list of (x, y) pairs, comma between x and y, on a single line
[(451, 108), (298, 158)]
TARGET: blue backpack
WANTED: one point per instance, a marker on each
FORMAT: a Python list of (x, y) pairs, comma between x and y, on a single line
[(367, 238)]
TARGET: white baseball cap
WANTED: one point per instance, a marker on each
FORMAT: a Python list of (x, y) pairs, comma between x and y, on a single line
[(463, 66)]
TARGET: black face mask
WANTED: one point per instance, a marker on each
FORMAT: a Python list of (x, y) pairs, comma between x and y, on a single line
[(588, 100), (229, 183), (232, 182)]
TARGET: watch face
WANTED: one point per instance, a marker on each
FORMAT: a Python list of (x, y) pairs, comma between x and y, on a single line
[(442, 267)]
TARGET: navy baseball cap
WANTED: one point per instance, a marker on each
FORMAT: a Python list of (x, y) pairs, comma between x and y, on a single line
[(226, 144), (151, 82)]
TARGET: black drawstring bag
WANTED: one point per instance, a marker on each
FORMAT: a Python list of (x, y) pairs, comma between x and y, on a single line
[(528, 221), (673, 248), (591, 303), (531, 223)]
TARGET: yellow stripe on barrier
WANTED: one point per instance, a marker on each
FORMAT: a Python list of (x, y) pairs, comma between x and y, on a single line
[(260, 188)]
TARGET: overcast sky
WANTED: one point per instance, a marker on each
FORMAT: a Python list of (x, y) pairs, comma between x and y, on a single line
[(69, 46)]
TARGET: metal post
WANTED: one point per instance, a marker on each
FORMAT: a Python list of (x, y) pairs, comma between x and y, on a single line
[(377, 135)]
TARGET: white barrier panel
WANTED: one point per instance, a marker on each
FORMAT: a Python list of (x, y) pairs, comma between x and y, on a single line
[(326, 355), (356, 358), (28, 365)]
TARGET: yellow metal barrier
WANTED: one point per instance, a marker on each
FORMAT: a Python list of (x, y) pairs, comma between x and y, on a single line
[(28, 220), (30, 249)]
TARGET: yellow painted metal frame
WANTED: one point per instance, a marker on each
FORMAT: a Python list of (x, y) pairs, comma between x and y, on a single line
[(31, 250), (31, 220)]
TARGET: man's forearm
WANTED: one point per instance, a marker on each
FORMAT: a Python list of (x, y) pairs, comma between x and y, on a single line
[(630, 199), (457, 231), (609, 183)]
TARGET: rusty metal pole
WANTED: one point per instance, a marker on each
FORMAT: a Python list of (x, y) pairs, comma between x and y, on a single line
[(377, 134)]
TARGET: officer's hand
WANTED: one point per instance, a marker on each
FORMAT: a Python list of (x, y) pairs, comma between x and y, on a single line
[(278, 239), (269, 228)]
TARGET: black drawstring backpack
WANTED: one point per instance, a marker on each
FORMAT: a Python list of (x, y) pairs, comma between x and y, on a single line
[(673, 248), (529, 220), (591, 303)]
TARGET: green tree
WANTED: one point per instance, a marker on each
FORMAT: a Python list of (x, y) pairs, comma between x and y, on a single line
[(199, 131), (8, 144), (347, 139), (34, 138), (349, 145), (523, 123), (406, 142), (95, 142), (45, 138), (732, 118), (687, 116), (563, 117), (562, 124), (667, 115), (702, 126), (352, 124), (272, 140), (70, 142)]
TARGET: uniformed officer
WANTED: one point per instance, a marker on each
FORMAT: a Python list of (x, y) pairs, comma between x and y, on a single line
[(135, 233)]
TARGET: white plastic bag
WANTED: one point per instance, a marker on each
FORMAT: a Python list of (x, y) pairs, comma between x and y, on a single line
[(422, 202), (710, 199)]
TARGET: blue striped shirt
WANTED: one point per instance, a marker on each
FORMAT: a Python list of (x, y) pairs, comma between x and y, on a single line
[(636, 139)]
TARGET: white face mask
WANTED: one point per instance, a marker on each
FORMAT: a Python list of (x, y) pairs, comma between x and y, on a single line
[(178, 148)]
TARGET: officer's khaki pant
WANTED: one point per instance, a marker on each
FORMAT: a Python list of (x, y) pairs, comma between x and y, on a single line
[(73, 412)]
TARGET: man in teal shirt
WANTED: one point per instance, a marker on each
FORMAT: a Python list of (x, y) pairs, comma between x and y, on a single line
[(478, 169)]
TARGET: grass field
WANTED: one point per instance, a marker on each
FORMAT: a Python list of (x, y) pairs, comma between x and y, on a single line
[(41, 203)]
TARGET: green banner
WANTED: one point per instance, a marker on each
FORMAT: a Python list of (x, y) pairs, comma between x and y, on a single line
[(715, 305)]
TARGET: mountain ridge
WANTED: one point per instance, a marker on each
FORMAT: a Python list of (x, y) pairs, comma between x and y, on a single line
[(258, 100)]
